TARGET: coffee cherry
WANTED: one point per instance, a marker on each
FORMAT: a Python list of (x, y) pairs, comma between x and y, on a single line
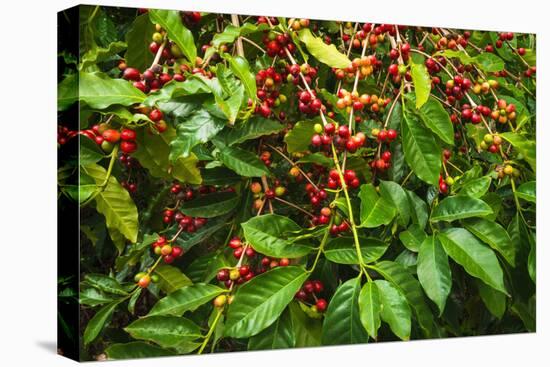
[(330, 128), (220, 300), (177, 251), (128, 147), (131, 74), (234, 274), (508, 170), (111, 135), (294, 172), (321, 305), (255, 187), (244, 270), (156, 115), (284, 262), (223, 275), (318, 128), (343, 131), (144, 281), (166, 250), (128, 134), (138, 276), (280, 191), (235, 243)]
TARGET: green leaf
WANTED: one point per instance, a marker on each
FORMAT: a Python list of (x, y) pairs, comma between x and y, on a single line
[(231, 32), (100, 54), (186, 170), (327, 54), (240, 67), (138, 39), (299, 138), (527, 148), (436, 118), (166, 331), (342, 324), (410, 288), (413, 237), (419, 212), (306, 330), (89, 151), (105, 283), (198, 128), (341, 250), (394, 193), (171, 278), (93, 297), (422, 83), (115, 203), (375, 210), (210, 205), (98, 90), (527, 191), (254, 128), (97, 323), (279, 335), (476, 188), (489, 62), (260, 301), (369, 308), (459, 207), (495, 301), (434, 272), (187, 298), (477, 259), (243, 162), (67, 92), (394, 309), (219, 176), (317, 158), (270, 235), (422, 153), (170, 20), (494, 235), (135, 350)]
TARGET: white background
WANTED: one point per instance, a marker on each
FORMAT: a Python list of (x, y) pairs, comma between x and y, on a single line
[(28, 183)]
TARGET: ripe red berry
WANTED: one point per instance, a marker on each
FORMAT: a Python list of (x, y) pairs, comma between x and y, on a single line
[(321, 305), (111, 135), (128, 147), (128, 134), (156, 115), (131, 74), (392, 134), (343, 131)]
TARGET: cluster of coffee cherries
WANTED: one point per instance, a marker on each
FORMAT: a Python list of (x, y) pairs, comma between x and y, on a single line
[(181, 192), (268, 82), (484, 86), (433, 64), (151, 80), (343, 139), (474, 115), (64, 134), (309, 104), (323, 217), (238, 247), (491, 143), (191, 18), (237, 275), (293, 73), (350, 178), (456, 87), (308, 293), (365, 65), (144, 279), (265, 156), (504, 112), (269, 193), (128, 162), (297, 24), (168, 252), (452, 41), (503, 37), (107, 138), (185, 222), (358, 39), (352, 100), (444, 184), (507, 170), (317, 195), (276, 43)]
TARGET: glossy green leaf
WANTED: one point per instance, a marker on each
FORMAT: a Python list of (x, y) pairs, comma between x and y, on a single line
[(494, 235), (476, 188), (317, 158), (270, 235), (341, 250), (422, 153), (375, 210), (198, 128), (93, 297), (211, 205), (89, 151), (342, 324), (138, 39), (67, 92), (100, 91), (413, 237), (527, 191), (459, 207), (527, 148), (187, 298), (170, 20), (395, 310), (171, 278), (410, 288), (422, 83), (369, 308), (307, 330), (105, 283), (243, 162), (394, 193), (437, 119), (419, 209), (100, 54), (134, 350), (240, 67), (489, 62), (97, 323), (114, 202), (299, 138), (166, 331), (476, 258), (253, 128), (327, 54), (434, 272), (280, 335), (494, 300), (260, 301)]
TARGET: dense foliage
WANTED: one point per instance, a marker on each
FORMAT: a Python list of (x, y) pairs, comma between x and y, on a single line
[(255, 183)]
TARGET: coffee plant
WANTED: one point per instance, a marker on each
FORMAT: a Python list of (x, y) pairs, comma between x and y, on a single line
[(254, 182)]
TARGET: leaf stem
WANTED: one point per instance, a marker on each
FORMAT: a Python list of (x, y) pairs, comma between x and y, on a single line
[(211, 331)]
